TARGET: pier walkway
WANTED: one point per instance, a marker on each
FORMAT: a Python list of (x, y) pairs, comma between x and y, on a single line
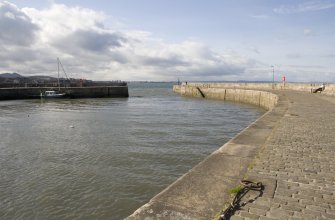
[(290, 149), (297, 163)]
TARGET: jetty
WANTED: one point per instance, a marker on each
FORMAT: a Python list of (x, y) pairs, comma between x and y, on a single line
[(16, 86), (117, 91), (290, 150)]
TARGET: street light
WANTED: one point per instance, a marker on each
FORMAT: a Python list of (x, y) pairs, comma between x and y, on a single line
[(273, 77)]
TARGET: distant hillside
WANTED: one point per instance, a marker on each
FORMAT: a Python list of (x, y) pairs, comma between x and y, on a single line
[(16, 76), (10, 75), (8, 80), (43, 77)]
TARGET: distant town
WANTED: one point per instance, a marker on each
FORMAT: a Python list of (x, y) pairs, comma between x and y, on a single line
[(9, 80)]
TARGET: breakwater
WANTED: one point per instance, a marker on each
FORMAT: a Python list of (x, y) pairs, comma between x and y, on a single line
[(302, 87), (262, 99), (72, 92), (202, 192)]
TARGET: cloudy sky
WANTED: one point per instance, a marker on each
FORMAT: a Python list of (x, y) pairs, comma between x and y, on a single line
[(163, 40)]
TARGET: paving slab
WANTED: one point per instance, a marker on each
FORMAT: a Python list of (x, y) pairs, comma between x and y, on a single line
[(299, 159)]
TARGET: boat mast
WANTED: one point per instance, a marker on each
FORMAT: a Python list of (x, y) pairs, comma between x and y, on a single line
[(58, 73), (61, 65)]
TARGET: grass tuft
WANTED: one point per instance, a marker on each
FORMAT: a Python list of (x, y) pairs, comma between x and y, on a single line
[(236, 190)]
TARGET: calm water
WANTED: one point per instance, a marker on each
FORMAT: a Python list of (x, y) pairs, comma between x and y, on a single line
[(104, 158)]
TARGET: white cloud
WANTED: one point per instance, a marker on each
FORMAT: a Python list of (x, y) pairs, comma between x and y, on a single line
[(9, 15), (305, 7), (16, 27), (60, 20), (89, 49), (308, 32)]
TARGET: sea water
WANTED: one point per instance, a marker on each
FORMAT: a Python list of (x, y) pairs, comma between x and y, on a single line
[(104, 158)]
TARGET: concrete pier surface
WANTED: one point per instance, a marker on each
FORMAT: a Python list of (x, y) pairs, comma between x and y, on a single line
[(297, 163), (290, 149)]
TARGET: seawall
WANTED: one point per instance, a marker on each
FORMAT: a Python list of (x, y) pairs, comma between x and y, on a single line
[(302, 87), (266, 100), (72, 92), (202, 192)]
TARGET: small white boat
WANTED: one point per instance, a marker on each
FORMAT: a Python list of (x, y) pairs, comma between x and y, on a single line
[(52, 94)]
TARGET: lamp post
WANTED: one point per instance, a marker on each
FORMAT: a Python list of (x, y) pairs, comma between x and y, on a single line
[(273, 77)]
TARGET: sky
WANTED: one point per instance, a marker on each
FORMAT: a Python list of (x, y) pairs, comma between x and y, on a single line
[(156, 40)]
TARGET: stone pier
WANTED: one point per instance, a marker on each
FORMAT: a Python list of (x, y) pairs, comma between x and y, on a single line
[(72, 92), (297, 163), (290, 149)]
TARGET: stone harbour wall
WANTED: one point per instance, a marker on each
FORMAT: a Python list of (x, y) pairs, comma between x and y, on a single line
[(72, 92), (263, 99), (303, 87)]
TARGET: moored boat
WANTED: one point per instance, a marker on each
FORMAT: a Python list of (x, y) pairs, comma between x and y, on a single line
[(52, 94)]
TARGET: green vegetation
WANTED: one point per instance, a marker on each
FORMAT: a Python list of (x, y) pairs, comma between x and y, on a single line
[(235, 190)]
